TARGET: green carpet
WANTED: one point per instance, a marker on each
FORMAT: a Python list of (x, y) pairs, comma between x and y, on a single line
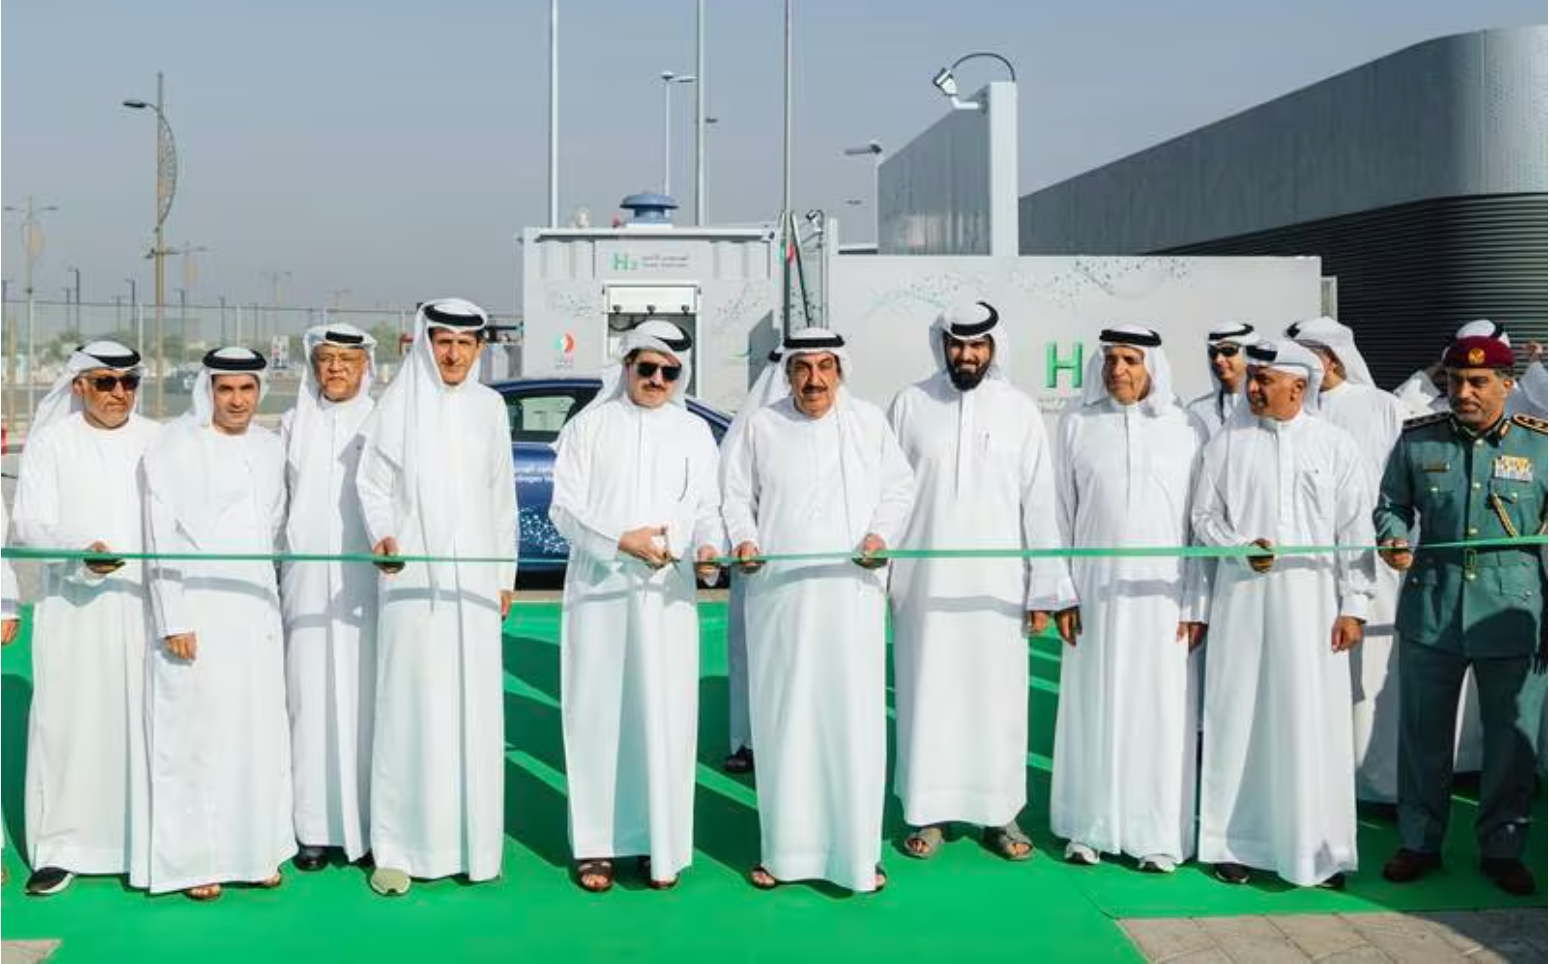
[(964, 905)]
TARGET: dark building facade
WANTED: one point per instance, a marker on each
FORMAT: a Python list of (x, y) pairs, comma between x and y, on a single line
[(1418, 179)]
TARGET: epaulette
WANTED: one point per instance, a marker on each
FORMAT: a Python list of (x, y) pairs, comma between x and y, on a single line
[(1531, 423), (1425, 420)]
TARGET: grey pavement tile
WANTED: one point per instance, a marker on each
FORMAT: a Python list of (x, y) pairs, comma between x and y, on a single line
[(1405, 938), (1466, 930), (26, 952), (1212, 955), (1365, 954), (1319, 935), (1521, 922), (1252, 939), (1166, 939), (1508, 952)]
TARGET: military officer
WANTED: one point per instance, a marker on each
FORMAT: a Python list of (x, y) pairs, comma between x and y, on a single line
[(1472, 473)]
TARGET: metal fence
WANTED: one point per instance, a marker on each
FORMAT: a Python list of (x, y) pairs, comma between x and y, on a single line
[(37, 336)]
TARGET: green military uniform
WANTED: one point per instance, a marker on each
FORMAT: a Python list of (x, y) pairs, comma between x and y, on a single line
[(1467, 607)]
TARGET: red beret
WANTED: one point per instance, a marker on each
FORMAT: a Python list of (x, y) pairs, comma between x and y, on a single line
[(1478, 351)]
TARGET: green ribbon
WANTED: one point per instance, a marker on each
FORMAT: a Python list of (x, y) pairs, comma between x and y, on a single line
[(1080, 552)]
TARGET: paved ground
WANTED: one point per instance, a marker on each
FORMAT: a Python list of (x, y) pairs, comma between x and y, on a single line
[(1432, 938)]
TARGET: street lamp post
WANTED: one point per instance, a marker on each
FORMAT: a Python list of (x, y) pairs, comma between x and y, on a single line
[(668, 80), (134, 314), (166, 188), (32, 246), (77, 273)]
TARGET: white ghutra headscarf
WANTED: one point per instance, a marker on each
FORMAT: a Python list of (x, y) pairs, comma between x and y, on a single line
[(1326, 332), (1159, 398), (186, 473), (970, 321), (1285, 355), (656, 335), (61, 401)]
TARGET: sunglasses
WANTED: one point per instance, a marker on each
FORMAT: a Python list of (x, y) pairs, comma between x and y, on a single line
[(1225, 351), (105, 383), (670, 373)]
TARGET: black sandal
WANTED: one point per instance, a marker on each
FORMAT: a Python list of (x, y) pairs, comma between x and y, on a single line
[(595, 868)]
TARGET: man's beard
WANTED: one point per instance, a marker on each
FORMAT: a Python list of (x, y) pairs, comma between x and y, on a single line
[(967, 379)]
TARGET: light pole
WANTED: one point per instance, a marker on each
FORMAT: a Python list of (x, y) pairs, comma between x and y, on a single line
[(700, 120), (134, 314), (948, 84), (166, 188), (32, 245), (77, 273), (275, 277), (190, 277), (786, 216), (668, 80), (554, 113)]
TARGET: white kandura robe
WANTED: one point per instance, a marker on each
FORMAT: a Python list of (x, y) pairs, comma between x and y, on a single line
[(770, 386), (1124, 760), (1277, 778), (330, 612), (87, 786), (816, 630), (630, 640), (218, 739), (438, 742), (1374, 418), (983, 481), (1216, 408)]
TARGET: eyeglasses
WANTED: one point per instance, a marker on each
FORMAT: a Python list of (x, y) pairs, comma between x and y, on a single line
[(670, 373), (105, 383), (1225, 351)]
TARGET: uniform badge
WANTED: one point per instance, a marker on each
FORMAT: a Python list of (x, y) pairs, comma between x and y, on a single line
[(1513, 468), (1435, 467)]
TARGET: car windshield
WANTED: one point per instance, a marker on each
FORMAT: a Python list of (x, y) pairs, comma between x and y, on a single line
[(538, 415)]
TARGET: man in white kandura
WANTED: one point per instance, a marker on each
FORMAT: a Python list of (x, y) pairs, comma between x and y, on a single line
[(80, 488), (769, 388), (219, 743), (435, 479), (819, 472), (330, 608), (1126, 461), (1278, 675), (984, 481), (635, 495), (1374, 418), (1224, 353)]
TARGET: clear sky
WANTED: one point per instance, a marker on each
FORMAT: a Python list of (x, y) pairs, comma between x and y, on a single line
[(393, 148)]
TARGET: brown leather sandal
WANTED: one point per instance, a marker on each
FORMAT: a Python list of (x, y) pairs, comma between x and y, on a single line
[(762, 879), (601, 873)]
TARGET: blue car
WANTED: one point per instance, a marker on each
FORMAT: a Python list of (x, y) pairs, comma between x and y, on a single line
[(536, 410)]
